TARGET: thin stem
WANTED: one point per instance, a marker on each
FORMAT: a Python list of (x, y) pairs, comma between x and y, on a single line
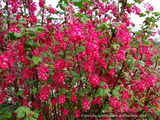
[(42, 15)]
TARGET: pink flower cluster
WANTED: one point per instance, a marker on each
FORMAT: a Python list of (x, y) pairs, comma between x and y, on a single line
[(43, 72), (44, 93)]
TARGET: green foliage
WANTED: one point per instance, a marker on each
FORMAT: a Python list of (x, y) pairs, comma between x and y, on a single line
[(80, 49), (115, 92), (141, 63), (103, 92), (14, 35), (26, 112), (5, 113), (36, 60)]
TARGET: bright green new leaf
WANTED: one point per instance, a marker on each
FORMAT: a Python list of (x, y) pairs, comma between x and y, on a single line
[(80, 49), (43, 55), (78, 3), (21, 111), (81, 93), (102, 92), (19, 93), (141, 63), (115, 93), (84, 19), (51, 73), (30, 42), (36, 60), (115, 46), (34, 90), (74, 53), (17, 35), (40, 29), (102, 83), (62, 28), (63, 91), (23, 20), (13, 21)]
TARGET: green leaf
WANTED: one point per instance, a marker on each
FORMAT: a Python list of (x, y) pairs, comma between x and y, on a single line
[(5, 114), (11, 35), (66, 27), (140, 103), (100, 37), (139, 2), (102, 92), (83, 72), (36, 114), (81, 93), (62, 28), (101, 26), (71, 118), (141, 63), (51, 73), (115, 93), (20, 114), (34, 30), (104, 71), (4, 108), (63, 91), (30, 42), (95, 95), (156, 13), (23, 20), (8, 114), (74, 53), (80, 49), (78, 3), (36, 60), (133, 68), (129, 5), (66, 39), (73, 73), (86, 90), (13, 21), (115, 46), (106, 25), (40, 29), (118, 67), (102, 83), (63, 6), (34, 90), (147, 12), (84, 19), (32, 119), (43, 55), (22, 108), (50, 18), (17, 35), (142, 15), (84, 1), (147, 43), (21, 111), (121, 89), (19, 93), (50, 80)]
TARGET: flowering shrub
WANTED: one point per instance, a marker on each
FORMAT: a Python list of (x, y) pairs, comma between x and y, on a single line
[(89, 61)]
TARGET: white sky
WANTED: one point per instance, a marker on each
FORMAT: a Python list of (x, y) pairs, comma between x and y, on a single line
[(134, 18)]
